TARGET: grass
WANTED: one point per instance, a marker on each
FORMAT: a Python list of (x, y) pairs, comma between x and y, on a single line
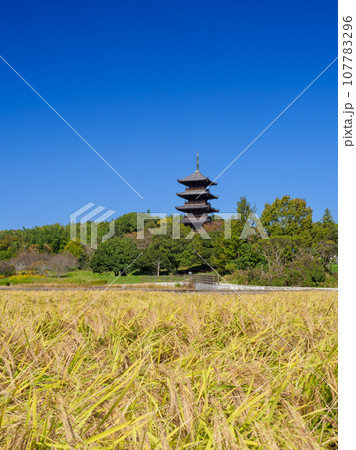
[(164, 370), (87, 277)]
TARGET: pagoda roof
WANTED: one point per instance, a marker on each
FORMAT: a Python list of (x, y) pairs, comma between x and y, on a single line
[(195, 177), (190, 207), (196, 193)]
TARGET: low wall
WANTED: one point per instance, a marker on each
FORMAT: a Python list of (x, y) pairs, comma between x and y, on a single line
[(244, 287)]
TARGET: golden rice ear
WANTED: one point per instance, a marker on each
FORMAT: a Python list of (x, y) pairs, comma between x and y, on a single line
[(145, 369)]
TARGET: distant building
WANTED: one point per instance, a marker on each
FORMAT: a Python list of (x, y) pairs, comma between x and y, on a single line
[(197, 208)]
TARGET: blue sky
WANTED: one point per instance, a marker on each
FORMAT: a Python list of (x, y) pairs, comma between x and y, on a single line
[(149, 83)]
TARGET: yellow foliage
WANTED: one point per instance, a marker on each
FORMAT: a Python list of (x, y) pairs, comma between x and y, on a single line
[(24, 277)]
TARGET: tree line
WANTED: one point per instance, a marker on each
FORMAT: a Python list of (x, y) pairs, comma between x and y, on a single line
[(298, 250)]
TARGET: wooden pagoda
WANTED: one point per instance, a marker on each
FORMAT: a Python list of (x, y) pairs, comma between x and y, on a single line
[(197, 193)]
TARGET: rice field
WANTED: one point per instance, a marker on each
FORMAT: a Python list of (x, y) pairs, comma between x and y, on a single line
[(149, 370)]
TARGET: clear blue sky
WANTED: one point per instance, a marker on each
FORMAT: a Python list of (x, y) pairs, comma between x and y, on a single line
[(147, 83)]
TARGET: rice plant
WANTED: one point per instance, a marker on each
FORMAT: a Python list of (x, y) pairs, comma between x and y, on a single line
[(157, 370)]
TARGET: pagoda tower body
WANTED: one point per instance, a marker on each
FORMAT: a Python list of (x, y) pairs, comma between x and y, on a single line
[(197, 195)]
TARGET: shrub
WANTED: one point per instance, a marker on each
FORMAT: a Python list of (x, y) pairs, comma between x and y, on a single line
[(317, 274), (31, 260), (19, 279), (62, 262), (98, 282), (331, 280), (84, 261), (238, 277), (7, 269), (74, 247)]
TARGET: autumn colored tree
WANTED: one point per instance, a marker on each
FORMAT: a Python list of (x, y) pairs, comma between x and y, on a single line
[(74, 247)]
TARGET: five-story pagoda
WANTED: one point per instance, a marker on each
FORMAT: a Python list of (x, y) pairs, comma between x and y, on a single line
[(197, 208)]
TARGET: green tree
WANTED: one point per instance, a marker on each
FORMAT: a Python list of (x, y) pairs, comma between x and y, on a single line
[(244, 209), (115, 255), (287, 217), (126, 224), (328, 226), (325, 238), (154, 260), (53, 236), (327, 219), (178, 251), (236, 253), (9, 244)]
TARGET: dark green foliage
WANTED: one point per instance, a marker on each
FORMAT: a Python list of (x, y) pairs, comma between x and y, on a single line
[(115, 255), (153, 261), (179, 252), (84, 261), (126, 224), (47, 237), (317, 274)]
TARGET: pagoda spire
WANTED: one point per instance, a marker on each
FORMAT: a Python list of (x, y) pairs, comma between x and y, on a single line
[(197, 161)]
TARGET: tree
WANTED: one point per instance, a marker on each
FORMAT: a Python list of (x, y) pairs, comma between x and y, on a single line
[(180, 252), (329, 226), (115, 255), (237, 252), (62, 262), (287, 217), (325, 237), (154, 259), (327, 218), (126, 224), (9, 245), (56, 236), (244, 209), (74, 247), (7, 269), (326, 251), (275, 251), (31, 260), (85, 258)]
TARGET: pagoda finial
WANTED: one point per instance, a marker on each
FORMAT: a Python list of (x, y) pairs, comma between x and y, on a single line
[(197, 162)]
